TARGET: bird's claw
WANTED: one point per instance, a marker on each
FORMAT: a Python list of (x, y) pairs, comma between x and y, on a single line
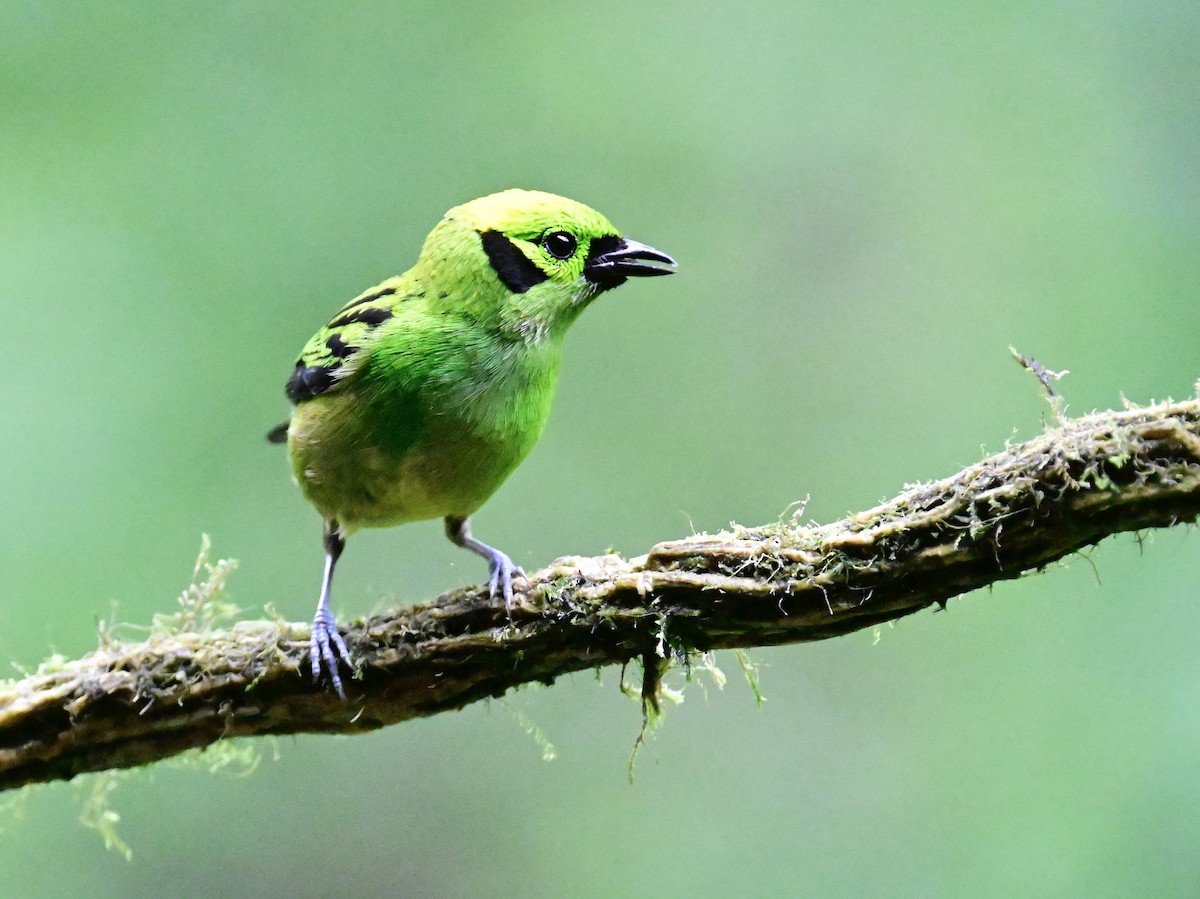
[(325, 642), (501, 570)]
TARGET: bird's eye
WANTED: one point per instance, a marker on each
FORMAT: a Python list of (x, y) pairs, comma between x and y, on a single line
[(559, 244)]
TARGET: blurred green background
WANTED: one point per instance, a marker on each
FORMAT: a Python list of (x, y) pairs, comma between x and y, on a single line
[(869, 203)]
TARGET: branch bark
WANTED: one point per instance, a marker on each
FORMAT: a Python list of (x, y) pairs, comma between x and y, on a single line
[(1082, 480)]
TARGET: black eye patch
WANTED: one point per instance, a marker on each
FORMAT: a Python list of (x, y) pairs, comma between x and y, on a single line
[(511, 266)]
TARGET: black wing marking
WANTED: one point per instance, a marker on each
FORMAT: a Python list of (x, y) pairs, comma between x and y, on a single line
[(308, 381), (322, 363)]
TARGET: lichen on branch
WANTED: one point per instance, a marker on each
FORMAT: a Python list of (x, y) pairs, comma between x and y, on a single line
[(1083, 479)]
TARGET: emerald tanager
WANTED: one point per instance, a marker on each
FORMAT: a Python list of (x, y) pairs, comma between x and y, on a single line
[(423, 394)]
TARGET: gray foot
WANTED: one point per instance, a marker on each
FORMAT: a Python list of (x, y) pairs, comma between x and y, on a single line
[(500, 576), (325, 641)]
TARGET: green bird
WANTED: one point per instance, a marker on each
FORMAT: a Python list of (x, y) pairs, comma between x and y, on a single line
[(423, 394)]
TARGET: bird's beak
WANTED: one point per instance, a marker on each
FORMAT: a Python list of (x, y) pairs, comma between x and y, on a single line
[(613, 259)]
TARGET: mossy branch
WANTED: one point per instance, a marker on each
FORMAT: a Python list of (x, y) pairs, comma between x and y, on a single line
[(1080, 481)]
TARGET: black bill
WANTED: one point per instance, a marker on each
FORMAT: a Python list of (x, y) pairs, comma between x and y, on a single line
[(613, 259)]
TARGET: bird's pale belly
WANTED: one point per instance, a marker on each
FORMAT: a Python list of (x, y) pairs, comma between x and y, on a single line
[(358, 482), (375, 489)]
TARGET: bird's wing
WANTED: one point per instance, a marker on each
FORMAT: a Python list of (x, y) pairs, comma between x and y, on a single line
[(330, 356)]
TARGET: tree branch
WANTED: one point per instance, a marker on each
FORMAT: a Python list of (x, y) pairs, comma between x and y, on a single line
[(1080, 481)]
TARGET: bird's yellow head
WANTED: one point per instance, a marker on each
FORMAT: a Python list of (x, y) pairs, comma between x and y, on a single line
[(532, 259)]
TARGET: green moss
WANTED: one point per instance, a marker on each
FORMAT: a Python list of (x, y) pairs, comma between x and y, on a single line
[(203, 606), (232, 758), (96, 814), (750, 670), (549, 752)]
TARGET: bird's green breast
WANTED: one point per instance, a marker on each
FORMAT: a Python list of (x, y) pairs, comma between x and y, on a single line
[(429, 425)]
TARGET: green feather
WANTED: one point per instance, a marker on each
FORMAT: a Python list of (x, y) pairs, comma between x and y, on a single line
[(442, 377), (422, 394)]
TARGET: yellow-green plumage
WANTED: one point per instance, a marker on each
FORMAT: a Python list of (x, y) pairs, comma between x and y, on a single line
[(429, 424), (423, 394)]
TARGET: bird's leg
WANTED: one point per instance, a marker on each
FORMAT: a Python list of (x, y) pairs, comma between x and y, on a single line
[(500, 567), (325, 636)]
